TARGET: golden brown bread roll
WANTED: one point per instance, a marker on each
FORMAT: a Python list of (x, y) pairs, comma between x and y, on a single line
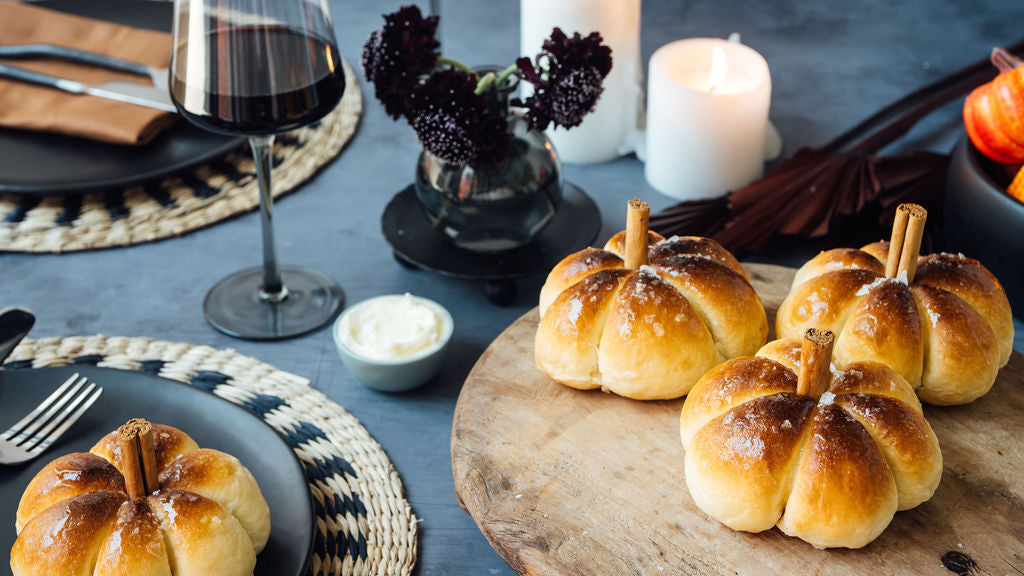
[(648, 333), (947, 332), (831, 470), (222, 478), (206, 515)]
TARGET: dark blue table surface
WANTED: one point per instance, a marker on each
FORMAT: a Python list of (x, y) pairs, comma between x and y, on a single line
[(832, 64)]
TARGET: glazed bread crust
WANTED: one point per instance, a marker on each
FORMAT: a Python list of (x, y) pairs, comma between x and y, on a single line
[(649, 333), (947, 333), (208, 516), (832, 471)]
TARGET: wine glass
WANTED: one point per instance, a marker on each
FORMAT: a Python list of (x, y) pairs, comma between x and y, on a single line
[(258, 68)]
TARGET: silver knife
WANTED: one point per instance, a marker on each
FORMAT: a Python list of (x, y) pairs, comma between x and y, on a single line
[(18, 51), (139, 94)]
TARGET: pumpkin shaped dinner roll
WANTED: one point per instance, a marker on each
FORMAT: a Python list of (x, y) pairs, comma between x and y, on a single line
[(144, 501), (941, 321), (646, 316), (828, 456)]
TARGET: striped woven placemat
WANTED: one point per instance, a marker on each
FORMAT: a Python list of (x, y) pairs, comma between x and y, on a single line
[(364, 524), (180, 203)]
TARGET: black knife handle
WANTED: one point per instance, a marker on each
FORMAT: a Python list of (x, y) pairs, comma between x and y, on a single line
[(73, 55)]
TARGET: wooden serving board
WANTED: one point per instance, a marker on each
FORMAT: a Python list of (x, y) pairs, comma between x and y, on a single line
[(569, 482)]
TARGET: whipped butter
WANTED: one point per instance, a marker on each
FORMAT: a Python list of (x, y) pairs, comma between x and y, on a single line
[(391, 327)]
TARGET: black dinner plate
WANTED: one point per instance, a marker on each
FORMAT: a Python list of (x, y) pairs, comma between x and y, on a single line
[(211, 421), (38, 163)]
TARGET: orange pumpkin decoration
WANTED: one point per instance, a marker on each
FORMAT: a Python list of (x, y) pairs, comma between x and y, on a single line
[(994, 112)]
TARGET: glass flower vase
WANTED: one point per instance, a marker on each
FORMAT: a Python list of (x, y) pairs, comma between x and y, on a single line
[(490, 207)]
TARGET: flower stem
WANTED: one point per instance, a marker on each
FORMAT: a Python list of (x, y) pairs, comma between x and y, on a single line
[(503, 76), (442, 61), (484, 83)]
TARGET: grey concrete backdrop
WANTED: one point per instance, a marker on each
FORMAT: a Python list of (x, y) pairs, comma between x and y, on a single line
[(832, 64)]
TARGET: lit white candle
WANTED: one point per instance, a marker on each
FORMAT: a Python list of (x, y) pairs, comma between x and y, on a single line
[(608, 131), (707, 117)]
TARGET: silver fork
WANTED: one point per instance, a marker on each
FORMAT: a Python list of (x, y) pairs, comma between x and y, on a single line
[(31, 436)]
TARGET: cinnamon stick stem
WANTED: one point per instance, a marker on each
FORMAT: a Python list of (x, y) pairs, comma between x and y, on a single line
[(815, 363), (899, 232), (637, 222), (911, 241), (138, 457)]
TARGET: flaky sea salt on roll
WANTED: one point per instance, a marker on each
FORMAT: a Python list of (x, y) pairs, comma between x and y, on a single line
[(646, 316)]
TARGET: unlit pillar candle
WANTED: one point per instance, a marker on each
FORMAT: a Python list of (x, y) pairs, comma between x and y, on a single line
[(607, 132)]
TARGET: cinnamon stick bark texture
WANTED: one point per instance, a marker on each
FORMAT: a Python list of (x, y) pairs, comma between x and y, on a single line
[(912, 241), (905, 244), (637, 218), (899, 232), (815, 363), (138, 457)]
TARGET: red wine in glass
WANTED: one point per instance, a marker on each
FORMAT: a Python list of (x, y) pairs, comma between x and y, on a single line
[(231, 96), (256, 68)]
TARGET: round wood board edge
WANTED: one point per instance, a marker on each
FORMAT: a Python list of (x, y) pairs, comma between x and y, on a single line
[(622, 506)]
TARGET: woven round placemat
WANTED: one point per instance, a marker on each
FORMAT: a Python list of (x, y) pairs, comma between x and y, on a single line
[(180, 203), (364, 525)]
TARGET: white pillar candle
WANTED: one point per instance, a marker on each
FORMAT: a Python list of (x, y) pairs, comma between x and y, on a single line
[(707, 115), (607, 132)]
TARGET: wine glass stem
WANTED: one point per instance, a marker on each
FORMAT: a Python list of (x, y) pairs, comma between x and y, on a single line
[(272, 290)]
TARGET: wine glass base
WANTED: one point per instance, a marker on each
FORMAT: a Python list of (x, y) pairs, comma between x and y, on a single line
[(234, 305)]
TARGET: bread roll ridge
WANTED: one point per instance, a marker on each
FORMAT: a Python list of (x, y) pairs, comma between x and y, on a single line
[(843, 494), (884, 326), (730, 384), (961, 353), (695, 246), (865, 442), (823, 302), (645, 351), (84, 519), (968, 279), (907, 442), (575, 268), (200, 536), (66, 477), (567, 342), (740, 465), (224, 479), (961, 286), (834, 260), (687, 324), (724, 299), (135, 544)]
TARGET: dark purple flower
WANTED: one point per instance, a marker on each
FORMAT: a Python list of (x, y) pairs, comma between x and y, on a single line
[(397, 54), (570, 85), (453, 122)]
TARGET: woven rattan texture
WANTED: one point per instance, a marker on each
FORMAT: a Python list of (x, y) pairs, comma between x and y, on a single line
[(365, 526), (180, 203)]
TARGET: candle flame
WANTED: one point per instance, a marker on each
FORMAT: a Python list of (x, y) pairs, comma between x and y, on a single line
[(330, 59), (718, 67)]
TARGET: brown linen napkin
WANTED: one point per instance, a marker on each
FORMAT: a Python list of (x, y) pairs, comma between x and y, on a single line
[(30, 107)]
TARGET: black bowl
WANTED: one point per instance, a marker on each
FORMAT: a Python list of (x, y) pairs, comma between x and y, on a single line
[(983, 221)]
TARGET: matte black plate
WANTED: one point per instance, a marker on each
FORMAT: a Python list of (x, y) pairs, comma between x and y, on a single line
[(39, 164), (211, 421), (407, 230)]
